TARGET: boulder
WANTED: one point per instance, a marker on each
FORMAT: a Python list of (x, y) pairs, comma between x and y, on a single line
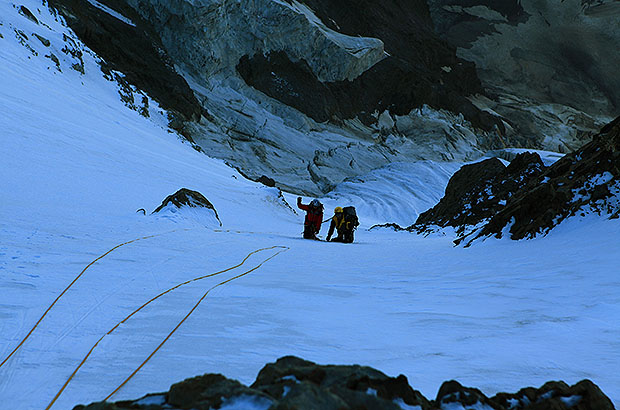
[(187, 198)]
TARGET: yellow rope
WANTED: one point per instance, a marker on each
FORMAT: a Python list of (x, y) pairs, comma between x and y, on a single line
[(151, 300), (68, 287), (185, 318)]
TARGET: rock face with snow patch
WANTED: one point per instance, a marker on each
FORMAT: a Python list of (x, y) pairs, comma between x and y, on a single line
[(587, 180), (292, 383), (126, 44), (302, 91), (526, 199), (409, 75)]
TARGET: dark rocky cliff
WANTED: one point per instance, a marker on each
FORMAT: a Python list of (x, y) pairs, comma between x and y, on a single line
[(544, 61), (420, 67)]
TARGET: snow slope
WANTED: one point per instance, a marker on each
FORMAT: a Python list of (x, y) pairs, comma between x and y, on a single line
[(75, 166)]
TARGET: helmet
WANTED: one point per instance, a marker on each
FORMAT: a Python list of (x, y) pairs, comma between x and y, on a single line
[(315, 203), (337, 210)]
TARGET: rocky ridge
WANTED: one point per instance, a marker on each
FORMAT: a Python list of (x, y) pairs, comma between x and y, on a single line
[(525, 198), (294, 383)]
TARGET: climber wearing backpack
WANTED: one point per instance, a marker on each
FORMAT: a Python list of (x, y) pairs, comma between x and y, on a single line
[(344, 222), (314, 218)]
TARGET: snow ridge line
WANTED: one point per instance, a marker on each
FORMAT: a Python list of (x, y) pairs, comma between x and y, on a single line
[(71, 284), (282, 249)]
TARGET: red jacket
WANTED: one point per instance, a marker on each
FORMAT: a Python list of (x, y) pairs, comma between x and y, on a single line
[(314, 216)]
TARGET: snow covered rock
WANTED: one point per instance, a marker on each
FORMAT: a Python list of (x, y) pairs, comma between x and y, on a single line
[(184, 198), (293, 383), (298, 380)]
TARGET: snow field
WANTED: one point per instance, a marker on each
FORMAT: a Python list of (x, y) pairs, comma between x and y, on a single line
[(76, 164)]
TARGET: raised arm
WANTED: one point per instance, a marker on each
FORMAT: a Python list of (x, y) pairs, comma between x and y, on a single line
[(302, 206)]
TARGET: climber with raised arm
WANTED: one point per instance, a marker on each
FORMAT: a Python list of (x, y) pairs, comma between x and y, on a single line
[(314, 218)]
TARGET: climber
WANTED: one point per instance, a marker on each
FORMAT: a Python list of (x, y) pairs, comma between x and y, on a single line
[(314, 218), (345, 222)]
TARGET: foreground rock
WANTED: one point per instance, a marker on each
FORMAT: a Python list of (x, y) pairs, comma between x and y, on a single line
[(525, 198), (294, 383)]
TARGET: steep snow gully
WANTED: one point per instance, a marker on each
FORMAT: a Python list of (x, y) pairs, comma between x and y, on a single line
[(76, 164)]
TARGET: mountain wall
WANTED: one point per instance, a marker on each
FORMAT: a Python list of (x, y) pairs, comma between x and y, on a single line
[(550, 65), (312, 92)]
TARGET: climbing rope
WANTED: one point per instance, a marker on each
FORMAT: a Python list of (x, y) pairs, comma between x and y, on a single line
[(283, 249), (68, 287), (185, 318)]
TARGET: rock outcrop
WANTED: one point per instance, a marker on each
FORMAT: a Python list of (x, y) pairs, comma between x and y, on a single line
[(526, 198), (478, 191), (293, 383), (187, 198)]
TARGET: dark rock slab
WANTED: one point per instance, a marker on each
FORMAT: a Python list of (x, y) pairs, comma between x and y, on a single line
[(24, 11), (206, 392), (267, 181)]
